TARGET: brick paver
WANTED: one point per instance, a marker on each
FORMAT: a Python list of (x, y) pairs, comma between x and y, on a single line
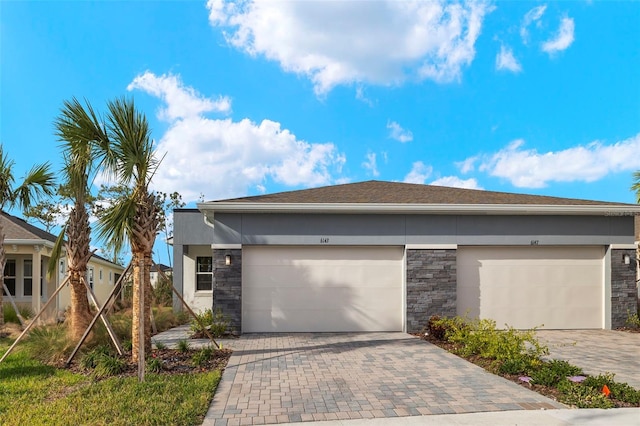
[(279, 378), (597, 351)]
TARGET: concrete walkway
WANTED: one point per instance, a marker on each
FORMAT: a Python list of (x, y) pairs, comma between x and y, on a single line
[(597, 352), (282, 378)]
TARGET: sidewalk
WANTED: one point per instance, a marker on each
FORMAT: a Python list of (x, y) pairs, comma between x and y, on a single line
[(589, 417)]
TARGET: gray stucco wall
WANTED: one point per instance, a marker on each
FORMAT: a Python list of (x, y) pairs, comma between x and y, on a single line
[(401, 229), (624, 293), (227, 286), (431, 286)]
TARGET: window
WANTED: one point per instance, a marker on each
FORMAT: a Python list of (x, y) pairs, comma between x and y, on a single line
[(10, 276), (100, 274), (110, 277), (204, 274), (90, 274), (28, 277)]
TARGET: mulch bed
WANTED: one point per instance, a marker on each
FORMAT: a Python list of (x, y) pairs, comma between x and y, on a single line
[(173, 362)]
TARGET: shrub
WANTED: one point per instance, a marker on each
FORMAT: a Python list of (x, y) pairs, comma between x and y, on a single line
[(90, 359), (183, 346), (217, 323), (620, 391), (163, 293), (10, 315), (161, 345), (202, 356), (481, 338), (633, 321), (582, 396), (127, 345), (103, 362), (554, 371), (154, 365), (49, 344)]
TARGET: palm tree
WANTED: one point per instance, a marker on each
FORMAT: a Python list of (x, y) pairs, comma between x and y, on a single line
[(134, 216), (81, 134), (37, 183)]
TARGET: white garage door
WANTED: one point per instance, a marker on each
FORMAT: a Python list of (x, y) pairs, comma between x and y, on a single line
[(524, 287), (292, 289)]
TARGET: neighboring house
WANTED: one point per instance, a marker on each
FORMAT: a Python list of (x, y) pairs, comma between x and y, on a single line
[(375, 256), (156, 276), (28, 250)]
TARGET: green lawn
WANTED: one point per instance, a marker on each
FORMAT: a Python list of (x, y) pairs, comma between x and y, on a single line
[(33, 393)]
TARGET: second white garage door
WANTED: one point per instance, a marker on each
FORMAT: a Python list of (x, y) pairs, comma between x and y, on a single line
[(321, 289), (524, 287)]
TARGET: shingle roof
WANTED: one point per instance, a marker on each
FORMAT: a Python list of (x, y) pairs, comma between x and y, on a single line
[(16, 228), (19, 229), (379, 192)]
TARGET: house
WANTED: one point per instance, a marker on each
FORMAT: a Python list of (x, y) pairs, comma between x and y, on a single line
[(28, 250), (375, 256), (155, 276)]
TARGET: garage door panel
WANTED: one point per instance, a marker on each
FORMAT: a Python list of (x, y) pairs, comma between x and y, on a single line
[(560, 287), (322, 289)]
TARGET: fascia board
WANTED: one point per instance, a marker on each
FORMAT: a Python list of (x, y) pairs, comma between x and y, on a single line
[(385, 208)]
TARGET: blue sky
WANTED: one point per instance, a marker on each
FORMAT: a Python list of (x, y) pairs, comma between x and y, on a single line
[(246, 98)]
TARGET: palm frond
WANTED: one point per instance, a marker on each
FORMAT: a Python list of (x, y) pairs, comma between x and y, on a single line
[(56, 253), (636, 185), (6, 179), (116, 223), (40, 181)]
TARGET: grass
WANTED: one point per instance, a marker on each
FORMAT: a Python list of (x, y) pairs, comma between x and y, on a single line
[(37, 394)]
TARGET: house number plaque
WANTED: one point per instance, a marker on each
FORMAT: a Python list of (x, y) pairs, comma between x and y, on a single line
[(324, 240)]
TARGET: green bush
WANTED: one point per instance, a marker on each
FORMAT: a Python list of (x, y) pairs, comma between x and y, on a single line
[(161, 345), (552, 372), (103, 362), (90, 359), (620, 391), (217, 323), (582, 396), (202, 356), (163, 293), (10, 314), (481, 338), (49, 344), (633, 321), (183, 346), (154, 365)]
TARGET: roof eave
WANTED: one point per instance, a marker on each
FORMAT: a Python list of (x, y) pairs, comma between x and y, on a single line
[(388, 208)]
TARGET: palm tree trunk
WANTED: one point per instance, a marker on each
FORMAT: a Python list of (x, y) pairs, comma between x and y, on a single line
[(78, 237), (141, 278)]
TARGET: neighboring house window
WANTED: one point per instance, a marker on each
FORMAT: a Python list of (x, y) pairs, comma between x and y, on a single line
[(110, 277), (90, 273), (28, 277), (100, 274), (204, 273), (62, 268), (10, 276)]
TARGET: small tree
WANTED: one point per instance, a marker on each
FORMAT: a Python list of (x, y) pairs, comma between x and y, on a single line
[(38, 182)]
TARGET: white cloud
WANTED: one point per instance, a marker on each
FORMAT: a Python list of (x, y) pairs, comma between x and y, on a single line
[(346, 42), (361, 96), (506, 61), (563, 39), (181, 101), (371, 164), (531, 16), (456, 182), (398, 133), (223, 158), (585, 163), (419, 173), (467, 165)]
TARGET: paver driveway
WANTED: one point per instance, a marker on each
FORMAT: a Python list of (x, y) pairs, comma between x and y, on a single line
[(278, 378), (597, 351)]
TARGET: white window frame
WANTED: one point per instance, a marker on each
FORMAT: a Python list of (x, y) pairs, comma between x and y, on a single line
[(200, 273), (11, 277), (27, 277)]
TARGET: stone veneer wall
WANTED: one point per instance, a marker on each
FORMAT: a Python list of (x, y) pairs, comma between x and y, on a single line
[(431, 286), (227, 285), (624, 293)]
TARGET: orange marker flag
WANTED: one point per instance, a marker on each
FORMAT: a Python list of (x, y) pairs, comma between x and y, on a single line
[(605, 390)]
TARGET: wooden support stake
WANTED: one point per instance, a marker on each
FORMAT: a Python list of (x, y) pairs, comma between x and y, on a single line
[(112, 295), (103, 317), (15, 308), (34, 320)]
